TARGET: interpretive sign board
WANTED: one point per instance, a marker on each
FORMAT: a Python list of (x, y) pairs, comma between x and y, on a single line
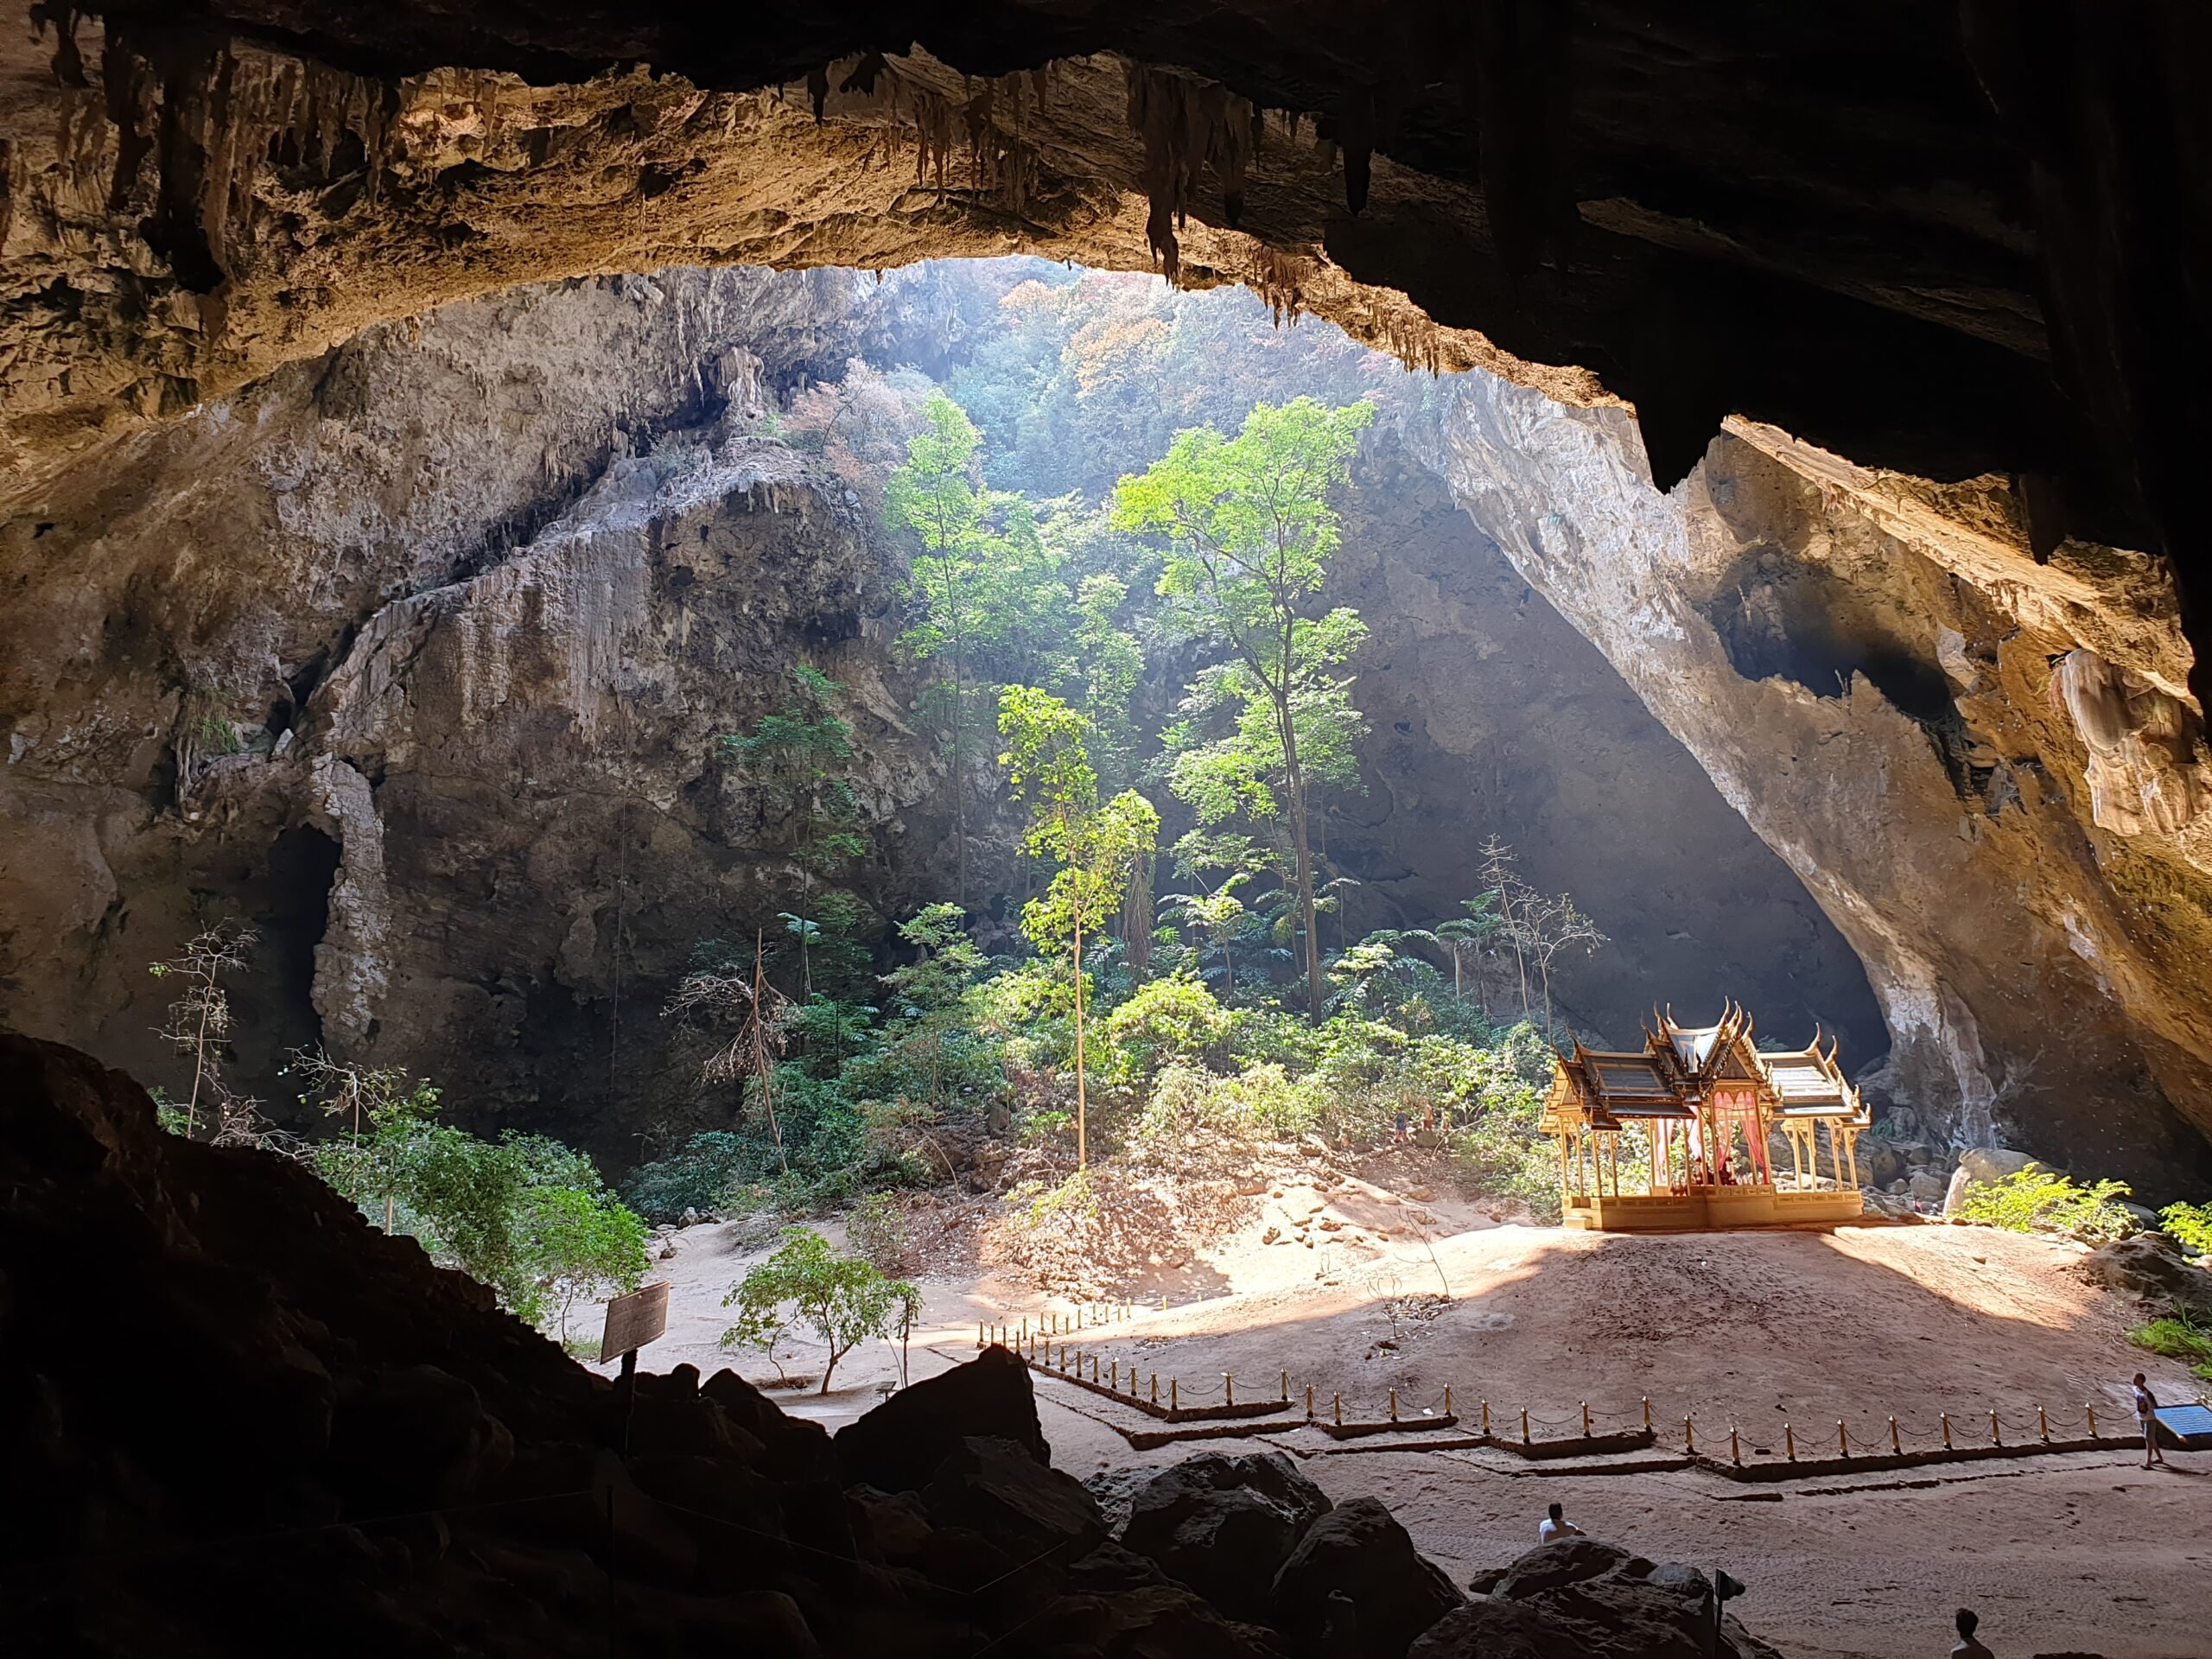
[(634, 1320), (2187, 1428)]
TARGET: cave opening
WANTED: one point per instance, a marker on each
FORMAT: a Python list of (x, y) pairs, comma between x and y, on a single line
[(1102, 798)]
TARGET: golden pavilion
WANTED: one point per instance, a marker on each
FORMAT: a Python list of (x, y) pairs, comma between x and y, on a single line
[(1698, 1106)]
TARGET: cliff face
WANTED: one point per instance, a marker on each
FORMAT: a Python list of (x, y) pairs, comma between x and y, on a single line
[(2006, 824), (288, 661), (1491, 715)]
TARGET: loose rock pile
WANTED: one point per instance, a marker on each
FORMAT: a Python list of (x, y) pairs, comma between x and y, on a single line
[(234, 1418)]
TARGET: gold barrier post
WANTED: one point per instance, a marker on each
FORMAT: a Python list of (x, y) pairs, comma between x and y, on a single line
[(1843, 1443), (1789, 1443), (1735, 1453), (1448, 1399), (1946, 1431), (2042, 1424), (2091, 1409), (1337, 1408), (1486, 1420), (1647, 1414), (1996, 1435), (1113, 1376), (1525, 1425), (1586, 1420), (1155, 1388), (1228, 1389), (1174, 1392), (1286, 1388), (1689, 1437), (979, 1334), (1895, 1446), (1309, 1403), (1394, 1405)]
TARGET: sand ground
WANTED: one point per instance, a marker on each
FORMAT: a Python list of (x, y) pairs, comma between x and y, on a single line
[(2082, 1553)]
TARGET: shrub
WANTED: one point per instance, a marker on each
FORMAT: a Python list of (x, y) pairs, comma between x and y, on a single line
[(843, 1299), (878, 1230), (700, 1178), (1187, 1102), (2176, 1338), (2190, 1223), (1167, 1021), (2035, 1200), (579, 1245)]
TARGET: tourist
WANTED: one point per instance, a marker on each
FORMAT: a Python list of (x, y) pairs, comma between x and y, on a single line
[(1968, 1647), (1398, 1138), (2146, 1413), (1555, 1526)]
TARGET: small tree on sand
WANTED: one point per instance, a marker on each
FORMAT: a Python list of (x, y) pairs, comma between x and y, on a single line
[(842, 1299), (581, 1246)]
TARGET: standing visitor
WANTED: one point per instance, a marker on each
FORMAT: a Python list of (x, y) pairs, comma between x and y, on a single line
[(2146, 1413)]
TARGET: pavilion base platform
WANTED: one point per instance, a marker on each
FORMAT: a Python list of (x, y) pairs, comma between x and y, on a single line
[(1706, 1209)]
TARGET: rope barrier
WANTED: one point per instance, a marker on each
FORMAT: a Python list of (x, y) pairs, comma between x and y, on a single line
[(1890, 1435)]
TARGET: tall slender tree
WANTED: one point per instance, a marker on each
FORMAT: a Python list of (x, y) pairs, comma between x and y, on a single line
[(983, 582), (1096, 846), (1250, 531)]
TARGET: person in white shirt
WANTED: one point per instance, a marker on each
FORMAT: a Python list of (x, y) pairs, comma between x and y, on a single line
[(2146, 1413), (1555, 1526)]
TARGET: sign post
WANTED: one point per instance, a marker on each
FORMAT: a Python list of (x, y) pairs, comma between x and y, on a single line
[(631, 1322)]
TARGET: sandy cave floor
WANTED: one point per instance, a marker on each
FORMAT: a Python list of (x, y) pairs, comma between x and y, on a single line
[(2083, 1552)]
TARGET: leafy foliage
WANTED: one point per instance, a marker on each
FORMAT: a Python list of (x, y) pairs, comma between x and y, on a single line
[(2036, 1200), (2191, 1223), (2175, 1337), (524, 1214), (842, 1299), (700, 1178), (1249, 532)]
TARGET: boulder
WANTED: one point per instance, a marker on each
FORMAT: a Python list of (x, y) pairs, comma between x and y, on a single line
[(897, 1446), (1226, 1525), (995, 1487), (1879, 1162), (1581, 1598), (1928, 1188), (1116, 1492), (1359, 1550), (1954, 1194), (416, 1438), (2151, 1266), (1162, 1621), (1994, 1163)]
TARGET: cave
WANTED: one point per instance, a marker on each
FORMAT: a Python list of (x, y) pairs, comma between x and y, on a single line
[(480, 722)]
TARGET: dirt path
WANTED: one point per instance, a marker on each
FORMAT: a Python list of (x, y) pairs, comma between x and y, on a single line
[(2085, 1553)]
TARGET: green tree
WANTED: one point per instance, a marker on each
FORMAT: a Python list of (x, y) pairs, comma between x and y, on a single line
[(843, 1299), (983, 580), (1096, 846), (579, 1245), (796, 756), (930, 994), (1250, 531), (380, 1109)]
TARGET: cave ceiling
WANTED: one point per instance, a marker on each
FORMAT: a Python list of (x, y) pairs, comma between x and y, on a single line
[(1935, 243)]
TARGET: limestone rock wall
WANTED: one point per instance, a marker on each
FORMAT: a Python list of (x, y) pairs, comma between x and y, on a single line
[(1491, 715), (309, 657), (1898, 724)]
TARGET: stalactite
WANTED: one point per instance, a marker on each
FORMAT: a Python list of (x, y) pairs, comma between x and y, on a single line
[(1186, 126)]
